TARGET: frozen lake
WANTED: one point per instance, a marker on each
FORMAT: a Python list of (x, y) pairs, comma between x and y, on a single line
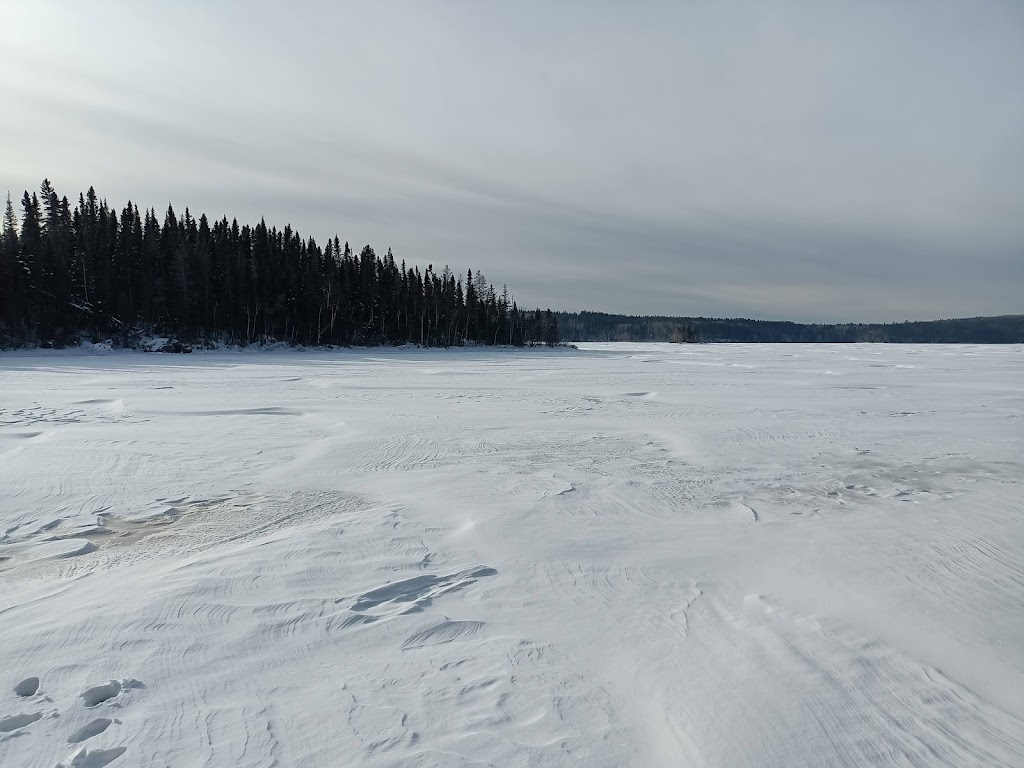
[(649, 555)]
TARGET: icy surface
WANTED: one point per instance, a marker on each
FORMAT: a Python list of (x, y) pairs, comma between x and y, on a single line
[(661, 555)]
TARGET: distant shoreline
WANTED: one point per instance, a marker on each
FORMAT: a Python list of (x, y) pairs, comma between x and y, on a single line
[(90, 349), (601, 326)]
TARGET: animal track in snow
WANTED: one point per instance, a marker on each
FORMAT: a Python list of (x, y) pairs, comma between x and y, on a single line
[(14, 722), (27, 687), (100, 693), (97, 758), (94, 728), (419, 591)]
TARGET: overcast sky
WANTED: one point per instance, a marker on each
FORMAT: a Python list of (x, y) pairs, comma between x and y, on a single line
[(809, 160)]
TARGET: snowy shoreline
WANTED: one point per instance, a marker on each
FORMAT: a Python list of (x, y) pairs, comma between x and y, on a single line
[(151, 347)]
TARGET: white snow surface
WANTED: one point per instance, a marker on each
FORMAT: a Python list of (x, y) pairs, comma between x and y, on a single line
[(625, 555)]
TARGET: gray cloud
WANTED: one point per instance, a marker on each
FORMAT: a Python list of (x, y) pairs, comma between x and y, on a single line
[(829, 161)]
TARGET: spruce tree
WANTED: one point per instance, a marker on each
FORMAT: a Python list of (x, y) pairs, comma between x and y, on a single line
[(11, 283)]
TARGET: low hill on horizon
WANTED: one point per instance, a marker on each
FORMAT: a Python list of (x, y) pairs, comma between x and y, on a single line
[(601, 326)]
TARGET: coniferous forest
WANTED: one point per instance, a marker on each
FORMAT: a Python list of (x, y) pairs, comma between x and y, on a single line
[(90, 271)]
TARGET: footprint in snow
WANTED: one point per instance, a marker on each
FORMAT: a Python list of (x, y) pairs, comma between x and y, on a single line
[(96, 758), (100, 693), (27, 687), (14, 722), (95, 728), (414, 594)]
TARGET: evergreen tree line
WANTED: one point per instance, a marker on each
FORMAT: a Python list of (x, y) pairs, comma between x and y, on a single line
[(598, 326), (70, 272)]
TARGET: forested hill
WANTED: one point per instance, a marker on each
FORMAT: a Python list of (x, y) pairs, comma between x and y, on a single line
[(597, 326), (68, 273)]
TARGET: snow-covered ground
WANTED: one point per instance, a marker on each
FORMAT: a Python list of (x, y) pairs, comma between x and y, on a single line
[(650, 555)]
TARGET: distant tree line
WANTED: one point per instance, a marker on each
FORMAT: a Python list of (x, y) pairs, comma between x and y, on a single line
[(598, 326), (72, 272)]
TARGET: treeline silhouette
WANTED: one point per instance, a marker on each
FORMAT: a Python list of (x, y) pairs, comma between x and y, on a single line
[(598, 326), (88, 271)]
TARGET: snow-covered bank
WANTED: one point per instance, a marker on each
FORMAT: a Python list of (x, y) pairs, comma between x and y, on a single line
[(652, 555), (155, 344)]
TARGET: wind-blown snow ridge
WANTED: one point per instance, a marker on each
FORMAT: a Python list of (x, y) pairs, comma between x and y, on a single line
[(646, 555)]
